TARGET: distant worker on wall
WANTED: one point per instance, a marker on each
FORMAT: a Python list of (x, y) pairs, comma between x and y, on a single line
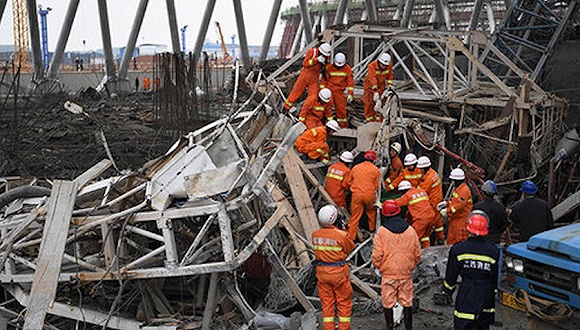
[(338, 79), (146, 83), (379, 76), (496, 212), (313, 144), (336, 184), (316, 108), (309, 77), (395, 254), (457, 208), (331, 247), (532, 215)]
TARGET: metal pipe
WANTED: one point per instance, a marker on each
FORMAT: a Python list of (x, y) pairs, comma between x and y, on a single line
[(143, 232), (106, 36), (306, 22), (35, 41), (475, 15), (69, 17), (270, 30), (339, 18), (242, 35), (130, 47), (173, 25), (203, 30), (407, 12), (2, 7), (371, 10)]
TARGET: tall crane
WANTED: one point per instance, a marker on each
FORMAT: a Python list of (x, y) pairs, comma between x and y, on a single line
[(21, 33), (223, 43)]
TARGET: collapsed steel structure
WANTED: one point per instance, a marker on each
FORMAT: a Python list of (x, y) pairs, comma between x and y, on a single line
[(138, 249)]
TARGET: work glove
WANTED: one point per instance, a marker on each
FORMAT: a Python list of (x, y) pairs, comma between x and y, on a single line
[(376, 96), (443, 213), (442, 299), (325, 161), (321, 59), (441, 205), (349, 99)]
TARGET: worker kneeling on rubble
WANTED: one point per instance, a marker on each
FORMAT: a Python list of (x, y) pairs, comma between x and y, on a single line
[(395, 254), (331, 247), (313, 141), (315, 108), (476, 260)]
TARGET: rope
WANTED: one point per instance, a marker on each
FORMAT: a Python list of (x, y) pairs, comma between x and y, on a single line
[(544, 309)]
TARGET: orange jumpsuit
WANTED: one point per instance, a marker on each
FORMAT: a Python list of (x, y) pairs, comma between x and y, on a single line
[(375, 81), (337, 182), (396, 168), (395, 256), (421, 212), (364, 182), (331, 247), (313, 111), (313, 143), (457, 209), (308, 78), (337, 80), (432, 185), (414, 177)]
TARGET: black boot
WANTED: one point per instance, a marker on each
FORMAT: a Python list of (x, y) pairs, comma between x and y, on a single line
[(389, 318), (408, 317)]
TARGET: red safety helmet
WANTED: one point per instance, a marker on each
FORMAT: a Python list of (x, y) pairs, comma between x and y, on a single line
[(390, 208), (370, 155), (477, 223)]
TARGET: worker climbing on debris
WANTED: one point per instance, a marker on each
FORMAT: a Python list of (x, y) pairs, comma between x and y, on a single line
[(309, 78), (476, 261), (495, 211), (431, 183), (316, 108), (363, 182), (532, 215), (395, 254), (331, 247), (338, 79), (410, 173), (379, 76), (336, 183), (396, 164), (313, 144), (420, 212), (457, 208)]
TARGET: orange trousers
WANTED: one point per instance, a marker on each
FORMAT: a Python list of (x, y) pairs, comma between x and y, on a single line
[(423, 229), (315, 150), (369, 108), (339, 102), (400, 290), (457, 231), (361, 203), (337, 293), (438, 227), (306, 79)]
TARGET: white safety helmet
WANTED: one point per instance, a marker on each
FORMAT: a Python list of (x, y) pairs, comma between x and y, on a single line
[(410, 159), (404, 185), (347, 157), (325, 95), (397, 147), (423, 162), (457, 174), (384, 59), (324, 49), (333, 125), (327, 215), (339, 59)]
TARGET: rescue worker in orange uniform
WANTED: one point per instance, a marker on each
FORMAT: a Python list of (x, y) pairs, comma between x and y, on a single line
[(336, 183), (146, 83), (395, 254), (396, 163), (313, 141), (331, 247), (364, 182), (458, 208), (338, 78), (410, 173), (309, 77), (315, 108), (421, 213), (379, 76), (431, 183)]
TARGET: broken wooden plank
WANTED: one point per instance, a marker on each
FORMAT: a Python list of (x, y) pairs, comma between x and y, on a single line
[(568, 205), (364, 287), (93, 172), (46, 276), (211, 301)]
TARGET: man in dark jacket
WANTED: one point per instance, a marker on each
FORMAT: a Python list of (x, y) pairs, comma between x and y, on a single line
[(498, 221), (532, 215), (476, 260)]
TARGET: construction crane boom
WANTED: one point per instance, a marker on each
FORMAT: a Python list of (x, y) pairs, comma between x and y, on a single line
[(223, 42), (21, 33)]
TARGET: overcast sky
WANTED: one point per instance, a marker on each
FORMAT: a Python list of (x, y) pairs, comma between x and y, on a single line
[(155, 28)]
